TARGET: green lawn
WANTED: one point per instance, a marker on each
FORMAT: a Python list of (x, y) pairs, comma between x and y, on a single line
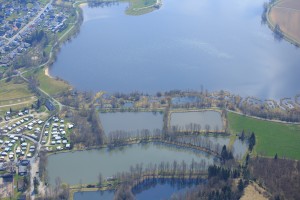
[(50, 85), (136, 6), (11, 91), (271, 137)]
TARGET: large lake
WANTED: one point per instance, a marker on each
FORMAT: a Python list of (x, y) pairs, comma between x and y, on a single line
[(85, 166), (214, 43)]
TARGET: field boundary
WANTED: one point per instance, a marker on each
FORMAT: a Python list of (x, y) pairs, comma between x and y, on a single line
[(271, 24)]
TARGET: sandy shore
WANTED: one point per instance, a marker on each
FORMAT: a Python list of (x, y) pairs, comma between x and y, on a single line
[(47, 72), (82, 5)]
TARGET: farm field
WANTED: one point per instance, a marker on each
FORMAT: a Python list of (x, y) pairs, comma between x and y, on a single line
[(11, 91), (15, 95), (271, 137), (286, 14)]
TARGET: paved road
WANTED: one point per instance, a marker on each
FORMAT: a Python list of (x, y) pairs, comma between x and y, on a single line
[(35, 161)]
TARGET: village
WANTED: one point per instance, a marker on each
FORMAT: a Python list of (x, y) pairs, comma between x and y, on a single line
[(23, 134), (20, 23), (185, 99)]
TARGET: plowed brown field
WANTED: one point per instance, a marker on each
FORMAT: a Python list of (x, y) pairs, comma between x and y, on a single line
[(287, 15)]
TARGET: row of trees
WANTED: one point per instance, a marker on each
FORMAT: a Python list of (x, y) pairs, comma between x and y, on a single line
[(220, 184), (194, 128), (200, 142), (88, 131), (138, 177), (117, 138), (102, 3)]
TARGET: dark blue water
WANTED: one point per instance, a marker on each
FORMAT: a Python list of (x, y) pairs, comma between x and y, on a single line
[(161, 190), (187, 44), (149, 191)]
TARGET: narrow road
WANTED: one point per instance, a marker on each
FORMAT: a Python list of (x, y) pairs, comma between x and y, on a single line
[(263, 119), (34, 161), (15, 104)]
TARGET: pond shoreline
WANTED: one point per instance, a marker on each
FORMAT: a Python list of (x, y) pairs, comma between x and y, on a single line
[(137, 181)]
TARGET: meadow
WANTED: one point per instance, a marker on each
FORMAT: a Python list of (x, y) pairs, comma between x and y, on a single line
[(271, 137)]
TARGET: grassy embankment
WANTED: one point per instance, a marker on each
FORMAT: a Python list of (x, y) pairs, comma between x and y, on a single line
[(271, 137), (51, 85), (286, 13)]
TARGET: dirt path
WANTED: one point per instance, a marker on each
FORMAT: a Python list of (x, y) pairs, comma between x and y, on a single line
[(15, 104), (253, 191), (286, 13), (293, 9)]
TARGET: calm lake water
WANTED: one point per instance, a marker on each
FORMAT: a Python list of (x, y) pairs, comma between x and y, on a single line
[(185, 44), (131, 122), (202, 118), (86, 165)]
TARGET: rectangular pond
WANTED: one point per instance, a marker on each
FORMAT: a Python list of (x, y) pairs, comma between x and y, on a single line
[(85, 166), (196, 120), (131, 122)]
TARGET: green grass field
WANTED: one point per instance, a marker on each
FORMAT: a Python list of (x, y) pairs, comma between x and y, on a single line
[(15, 96), (50, 85), (11, 92), (271, 137)]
